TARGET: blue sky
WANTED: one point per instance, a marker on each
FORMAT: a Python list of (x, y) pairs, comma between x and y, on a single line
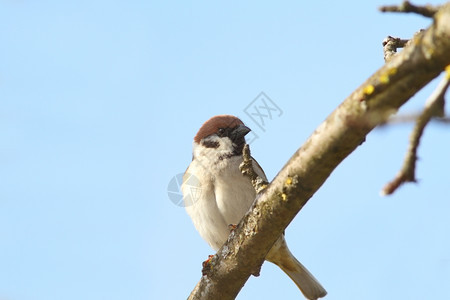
[(101, 100)]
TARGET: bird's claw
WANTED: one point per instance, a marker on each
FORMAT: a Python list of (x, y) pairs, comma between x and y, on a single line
[(232, 227), (206, 265)]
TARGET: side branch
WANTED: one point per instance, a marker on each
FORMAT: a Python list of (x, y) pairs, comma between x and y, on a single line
[(407, 7), (433, 108), (246, 167), (338, 136)]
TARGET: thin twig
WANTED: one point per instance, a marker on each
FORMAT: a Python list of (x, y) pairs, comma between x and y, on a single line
[(409, 118), (406, 7), (433, 107), (246, 167)]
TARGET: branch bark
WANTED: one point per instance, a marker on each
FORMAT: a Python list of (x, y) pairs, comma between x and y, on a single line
[(341, 133)]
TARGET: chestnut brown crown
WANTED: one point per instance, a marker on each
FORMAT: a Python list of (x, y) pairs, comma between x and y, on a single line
[(216, 123)]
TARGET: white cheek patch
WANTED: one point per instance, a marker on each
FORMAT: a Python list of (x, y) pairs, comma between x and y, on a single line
[(225, 147)]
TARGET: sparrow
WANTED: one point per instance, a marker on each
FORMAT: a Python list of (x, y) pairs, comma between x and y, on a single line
[(216, 194)]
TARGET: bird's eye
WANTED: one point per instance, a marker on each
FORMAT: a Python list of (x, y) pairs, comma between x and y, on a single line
[(221, 131)]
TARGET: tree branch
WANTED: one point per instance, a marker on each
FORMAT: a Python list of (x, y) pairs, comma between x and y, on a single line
[(305, 172), (406, 7), (433, 107)]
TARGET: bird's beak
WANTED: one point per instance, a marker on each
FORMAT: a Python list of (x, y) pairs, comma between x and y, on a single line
[(240, 131)]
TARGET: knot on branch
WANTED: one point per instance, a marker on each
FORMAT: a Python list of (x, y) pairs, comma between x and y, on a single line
[(390, 46)]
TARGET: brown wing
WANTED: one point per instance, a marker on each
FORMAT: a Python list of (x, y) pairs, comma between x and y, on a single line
[(258, 169)]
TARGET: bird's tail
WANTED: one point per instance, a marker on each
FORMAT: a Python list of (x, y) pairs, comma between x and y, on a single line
[(306, 282)]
